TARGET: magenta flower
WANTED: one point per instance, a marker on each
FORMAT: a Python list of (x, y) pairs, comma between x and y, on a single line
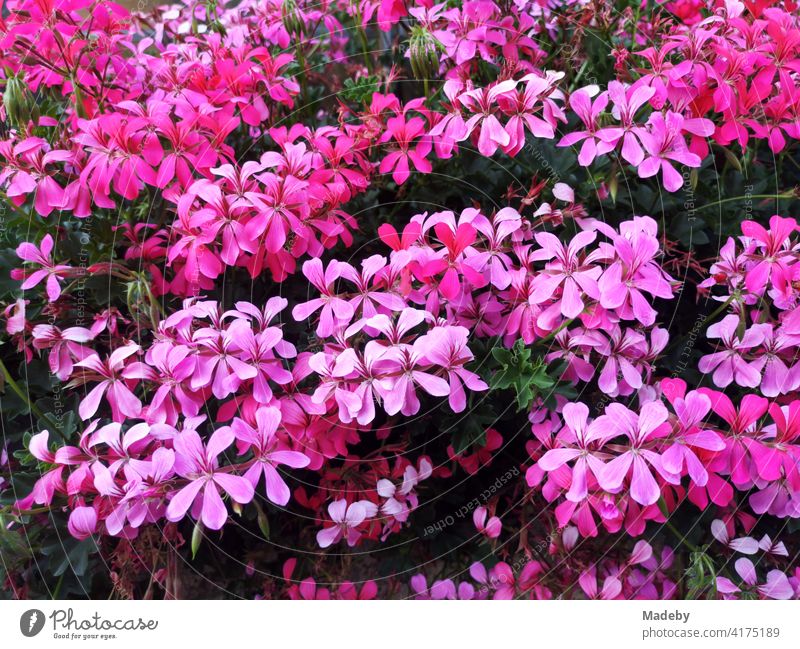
[(111, 382), (217, 362), (778, 348), (171, 366), (627, 102), (65, 346), (482, 101), (634, 272), (580, 442), (82, 522), (199, 464), (775, 256), (691, 411), (412, 372), (523, 104), (743, 545), (259, 350), (490, 528), (267, 453), (52, 272), (612, 588), (744, 457), (664, 144), (588, 111), (403, 133)]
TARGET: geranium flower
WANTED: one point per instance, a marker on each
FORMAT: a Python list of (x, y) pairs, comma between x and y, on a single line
[(268, 453), (199, 464), (729, 365), (346, 518), (641, 429), (52, 272)]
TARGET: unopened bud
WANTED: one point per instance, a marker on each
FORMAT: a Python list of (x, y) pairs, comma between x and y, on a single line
[(423, 51), (16, 103), (292, 19)]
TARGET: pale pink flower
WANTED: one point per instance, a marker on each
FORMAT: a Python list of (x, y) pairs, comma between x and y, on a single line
[(346, 518)]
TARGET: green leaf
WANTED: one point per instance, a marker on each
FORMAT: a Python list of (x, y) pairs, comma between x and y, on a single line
[(69, 554), (701, 575), (528, 378)]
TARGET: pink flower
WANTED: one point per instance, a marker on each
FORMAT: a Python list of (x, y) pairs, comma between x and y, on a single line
[(581, 103), (403, 133), (612, 588), (729, 365), (267, 453), (635, 272), (65, 346), (111, 383), (576, 277), (627, 102), (482, 101), (411, 372), (743, 545), (744, 456), (336, 311), (777, 585), (490, 528), (664, 144), (499, 579), (42, 256), (775, 255), (346, 518), (82, 522), (447, 348), (778, 348), (580, 441), (200, 465), (641, 430), (217, 362), (691, 412)]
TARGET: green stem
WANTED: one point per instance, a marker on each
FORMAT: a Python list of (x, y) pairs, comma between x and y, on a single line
[(580, 73), (58, 585), (720, 308), (362, 35), (31, 406), (554, 333), (746, 197), (681, 537), (24, 512), (301, 60)]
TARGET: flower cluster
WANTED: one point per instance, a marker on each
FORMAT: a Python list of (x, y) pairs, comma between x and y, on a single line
[(250, 293)]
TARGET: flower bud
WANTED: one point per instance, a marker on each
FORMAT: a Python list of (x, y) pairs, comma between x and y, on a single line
[(16, 103), (292, 19), (423, 50)]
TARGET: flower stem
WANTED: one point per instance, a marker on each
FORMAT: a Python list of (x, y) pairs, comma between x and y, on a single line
[(31, 406), (681, 537), (720, 309), (746, 197), (555, 332)]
